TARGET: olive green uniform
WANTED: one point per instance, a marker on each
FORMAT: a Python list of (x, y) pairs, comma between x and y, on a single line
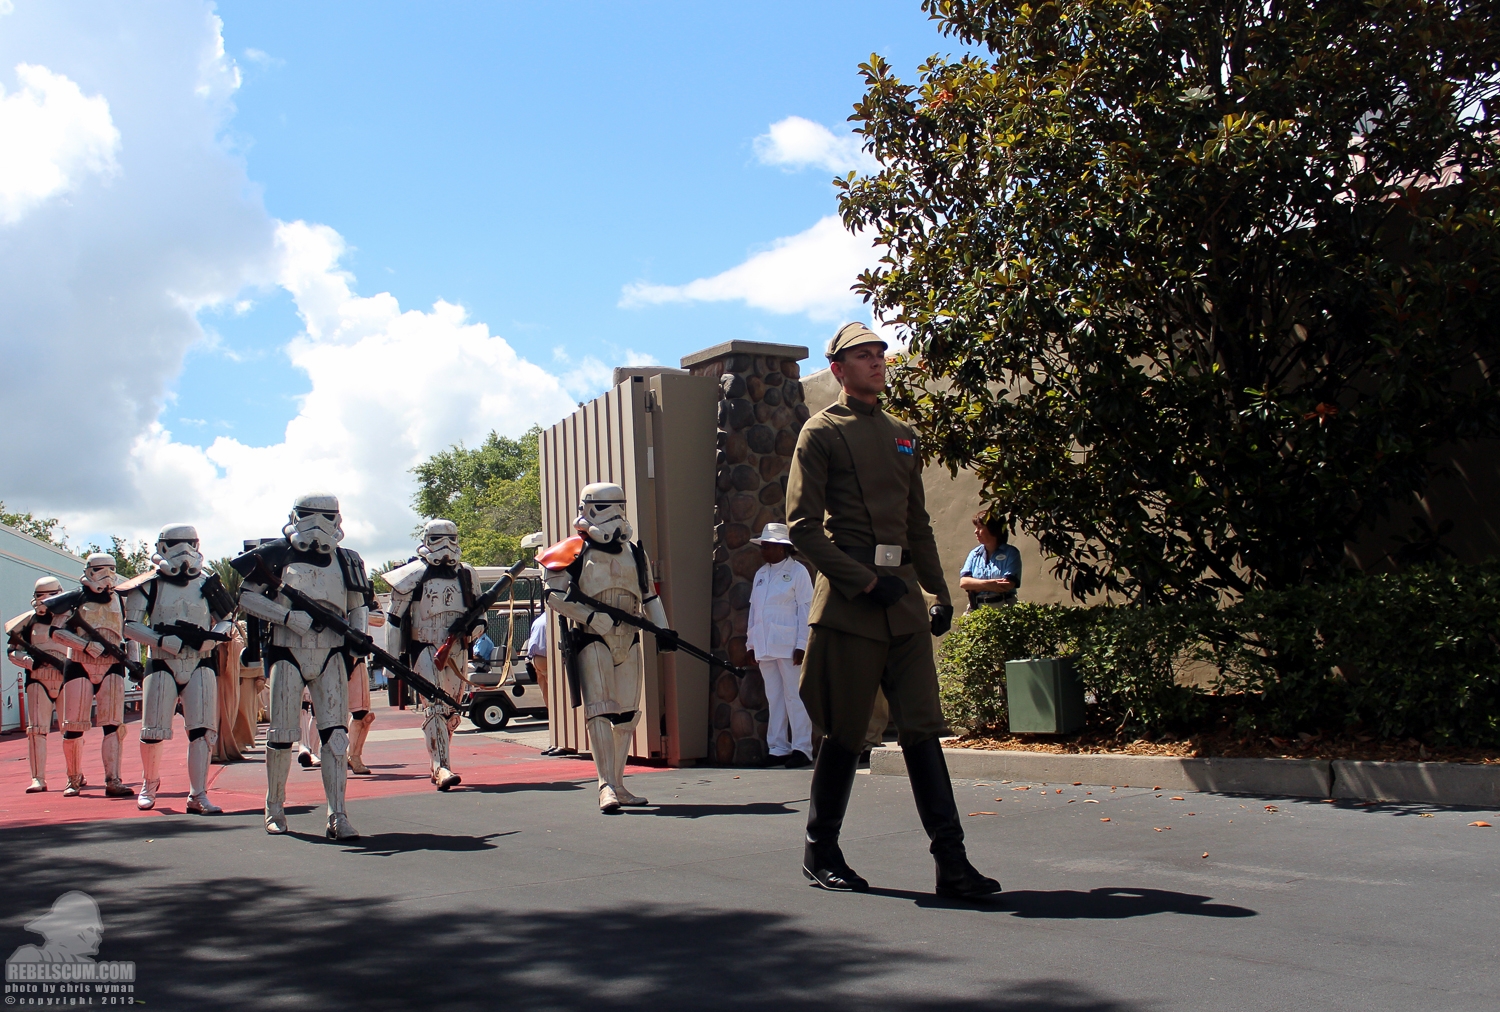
[(856, 482)]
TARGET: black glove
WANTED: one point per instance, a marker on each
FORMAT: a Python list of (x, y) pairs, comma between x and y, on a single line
[(942, 618), (888, 590), (666, 641)]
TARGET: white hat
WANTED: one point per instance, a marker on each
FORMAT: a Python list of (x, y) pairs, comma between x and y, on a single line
[(774, 534)]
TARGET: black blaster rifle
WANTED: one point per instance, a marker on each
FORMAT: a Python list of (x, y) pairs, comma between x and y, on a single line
[(37, 654), (68, 601), (625, 618), (362, 643), (191, 635), (476, 614)]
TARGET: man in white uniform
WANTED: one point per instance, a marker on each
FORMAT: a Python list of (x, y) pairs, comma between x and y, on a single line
[(96, 680), (33, 651), (303, 652), (601, 565), (181, 614), (780, 599), (428, 595)]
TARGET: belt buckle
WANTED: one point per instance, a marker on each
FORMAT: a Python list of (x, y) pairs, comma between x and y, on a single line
[(888, 555)]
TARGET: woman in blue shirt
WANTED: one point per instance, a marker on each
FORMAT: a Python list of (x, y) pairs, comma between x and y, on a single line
[(992, 572)]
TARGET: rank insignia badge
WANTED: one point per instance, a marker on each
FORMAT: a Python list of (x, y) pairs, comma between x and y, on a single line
[(906, 446)]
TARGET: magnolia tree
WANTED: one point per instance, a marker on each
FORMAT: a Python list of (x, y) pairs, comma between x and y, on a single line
[(1196, 289)]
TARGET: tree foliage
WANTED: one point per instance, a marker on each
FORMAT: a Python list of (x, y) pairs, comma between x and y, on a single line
[(492, 492), (46, 529), (1196, 289)]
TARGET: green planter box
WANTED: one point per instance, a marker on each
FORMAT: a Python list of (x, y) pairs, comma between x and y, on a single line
[(1044, 696)]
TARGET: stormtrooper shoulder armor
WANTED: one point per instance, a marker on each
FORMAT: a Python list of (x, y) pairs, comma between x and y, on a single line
[(404, 579), (17, 624), (263, 565), (563, 554), (136, 582)]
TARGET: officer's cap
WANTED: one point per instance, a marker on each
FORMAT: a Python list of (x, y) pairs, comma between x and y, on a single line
[(852, 335)]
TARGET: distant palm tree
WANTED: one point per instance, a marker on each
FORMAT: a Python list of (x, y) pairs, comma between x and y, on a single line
[(228, 575)]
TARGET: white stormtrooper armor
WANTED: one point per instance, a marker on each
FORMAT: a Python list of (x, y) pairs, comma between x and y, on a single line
[(602, 563), (32, 650), (428, 595), (308, 559), (178, 594), (95, 681)]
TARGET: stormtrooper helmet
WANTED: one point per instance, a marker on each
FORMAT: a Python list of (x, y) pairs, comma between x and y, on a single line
[(177, 551), (601, 513), (439, 543), (315, 524), (98, 572), (44, 588)]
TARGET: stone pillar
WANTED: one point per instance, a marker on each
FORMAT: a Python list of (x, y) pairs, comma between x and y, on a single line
[(761, 411)]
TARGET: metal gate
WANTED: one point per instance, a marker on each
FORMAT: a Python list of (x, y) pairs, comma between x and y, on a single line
[(654, 435)]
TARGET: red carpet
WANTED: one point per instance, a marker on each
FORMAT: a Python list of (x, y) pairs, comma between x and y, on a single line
[(397, 767)]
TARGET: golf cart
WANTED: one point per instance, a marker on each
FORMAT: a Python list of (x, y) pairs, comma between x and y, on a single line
[(500, 691)]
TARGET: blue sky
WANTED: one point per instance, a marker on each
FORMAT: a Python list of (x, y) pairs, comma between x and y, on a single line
[(527, 166), (285, 246)]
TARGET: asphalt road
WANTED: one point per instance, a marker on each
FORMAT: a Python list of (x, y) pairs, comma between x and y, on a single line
[(521, 896)]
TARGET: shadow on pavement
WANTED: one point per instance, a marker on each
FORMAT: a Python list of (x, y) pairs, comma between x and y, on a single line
[(700, 811), (545, 785), (391, 844), (1109, 904)]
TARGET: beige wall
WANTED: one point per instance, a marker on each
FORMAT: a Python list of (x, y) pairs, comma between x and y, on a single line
[(952, 503)]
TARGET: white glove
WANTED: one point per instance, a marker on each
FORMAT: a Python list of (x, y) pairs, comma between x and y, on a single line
[(601, 623), (171, 645), (299, 622), (94, 649)]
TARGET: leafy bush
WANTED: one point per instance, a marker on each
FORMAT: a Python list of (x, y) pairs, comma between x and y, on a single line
[(1414, 654)]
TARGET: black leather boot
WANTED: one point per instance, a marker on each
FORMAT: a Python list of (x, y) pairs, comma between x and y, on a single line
[(933, 792), (822, 861)]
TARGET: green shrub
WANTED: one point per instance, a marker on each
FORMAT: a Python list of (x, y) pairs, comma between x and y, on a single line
[(1414, 654)]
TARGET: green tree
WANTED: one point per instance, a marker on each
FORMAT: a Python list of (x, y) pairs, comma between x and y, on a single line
[(130, 560), (1195, 288), (492, 492), (46, 529)]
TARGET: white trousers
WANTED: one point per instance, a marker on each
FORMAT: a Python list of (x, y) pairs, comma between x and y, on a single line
[(781, 677)]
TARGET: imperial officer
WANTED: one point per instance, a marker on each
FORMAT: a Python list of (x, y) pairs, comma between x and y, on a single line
[(856, 509)]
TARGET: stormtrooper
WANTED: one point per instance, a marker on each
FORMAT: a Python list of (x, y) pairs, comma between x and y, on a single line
[(307, 561), (180, 614), (32, 650), (96, 681), (601, 565), (428, 595)]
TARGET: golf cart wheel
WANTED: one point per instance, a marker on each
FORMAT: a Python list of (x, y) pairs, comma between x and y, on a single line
[(490, 714)]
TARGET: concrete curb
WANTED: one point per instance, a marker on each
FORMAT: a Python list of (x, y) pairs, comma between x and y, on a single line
[(1428, 783), (1432, 783)]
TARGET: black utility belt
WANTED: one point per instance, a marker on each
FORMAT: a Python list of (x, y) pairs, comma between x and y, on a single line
[(866, 554), (995, 597)]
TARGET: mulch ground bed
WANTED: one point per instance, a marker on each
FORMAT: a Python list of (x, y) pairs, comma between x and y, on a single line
[(1226, 744)]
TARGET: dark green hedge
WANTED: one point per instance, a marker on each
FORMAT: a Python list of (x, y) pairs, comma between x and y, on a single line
[(1413, 654)]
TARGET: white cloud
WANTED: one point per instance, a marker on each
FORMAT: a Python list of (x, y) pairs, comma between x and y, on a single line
[(101, 295), (810, 272), (51, 137), (389, 389), (796, 143)]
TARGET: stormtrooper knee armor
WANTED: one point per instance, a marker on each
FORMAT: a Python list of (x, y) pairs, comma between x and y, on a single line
[(601, 565), (308, 560), (428, 595)]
